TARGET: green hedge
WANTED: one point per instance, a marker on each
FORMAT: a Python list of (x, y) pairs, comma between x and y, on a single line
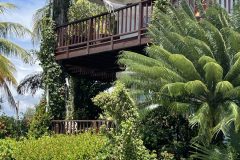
[(60, 147)]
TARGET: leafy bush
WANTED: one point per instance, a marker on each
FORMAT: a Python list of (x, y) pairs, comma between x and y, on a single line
[(125, 141), (11, 128), (6, 150), (82, 147), (163, 131), (83, 90), (40, 122), (81, 9)]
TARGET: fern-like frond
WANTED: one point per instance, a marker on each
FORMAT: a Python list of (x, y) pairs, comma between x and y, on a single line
[(6, 71), (38, 17), (9, 48), (213, 74), (5, 6), (10, 29), (30, 83)]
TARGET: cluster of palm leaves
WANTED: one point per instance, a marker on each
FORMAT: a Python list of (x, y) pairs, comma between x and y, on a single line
[(193, 67), (8, 48)]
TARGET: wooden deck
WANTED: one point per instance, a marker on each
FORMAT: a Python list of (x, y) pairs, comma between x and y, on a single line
[(89, 47)]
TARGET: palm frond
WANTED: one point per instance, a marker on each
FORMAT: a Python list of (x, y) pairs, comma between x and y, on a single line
[(5, 6), (30, 83), (11, 29), (7, 91), (9, 48), (208, 153), (6, 71), (37, 21)]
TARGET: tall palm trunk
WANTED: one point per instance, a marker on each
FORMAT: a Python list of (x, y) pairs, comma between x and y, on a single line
[(60, 9)]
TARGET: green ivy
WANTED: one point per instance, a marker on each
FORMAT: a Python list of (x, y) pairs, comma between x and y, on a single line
[(125, 141), (54, 79)]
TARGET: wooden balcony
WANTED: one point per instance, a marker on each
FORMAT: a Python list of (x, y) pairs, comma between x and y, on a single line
[(89, 47), (121, 29)]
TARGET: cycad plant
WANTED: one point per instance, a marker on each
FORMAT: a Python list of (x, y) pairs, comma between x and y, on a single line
[(193, 67), (8, 48)]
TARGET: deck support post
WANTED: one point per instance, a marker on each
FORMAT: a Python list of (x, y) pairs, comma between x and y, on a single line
[(140, 21)]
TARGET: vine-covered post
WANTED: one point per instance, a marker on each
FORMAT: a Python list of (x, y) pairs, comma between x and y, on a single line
[(69, 99), (54, 79)]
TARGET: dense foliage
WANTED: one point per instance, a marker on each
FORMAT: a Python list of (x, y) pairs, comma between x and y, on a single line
[(82, 147), (193, 67), (124, 141), (12, 128), (53, 79), (40, 122), (83, 91), (165, 132), (81, 9)]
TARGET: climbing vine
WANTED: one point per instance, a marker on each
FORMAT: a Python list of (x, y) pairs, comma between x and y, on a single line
[(54, 79), (124, 141)]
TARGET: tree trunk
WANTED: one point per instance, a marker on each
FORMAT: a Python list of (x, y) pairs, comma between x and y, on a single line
[(60, 10)]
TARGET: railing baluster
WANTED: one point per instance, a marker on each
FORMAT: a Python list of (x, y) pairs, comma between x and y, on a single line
[(126, 20), (130, 27), (140, 22), (106, 23), (118, 31), (122, 21), (98, 25)]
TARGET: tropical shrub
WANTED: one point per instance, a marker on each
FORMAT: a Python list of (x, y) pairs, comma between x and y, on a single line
[(81, 9), (6, 150), (83, 146), (83, 91), (124, 141), (164, 132), (193, 67), (40, 123), (12, 128)]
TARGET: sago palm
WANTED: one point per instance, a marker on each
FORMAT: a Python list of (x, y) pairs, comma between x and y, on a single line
[(8, 48), (193, 66)]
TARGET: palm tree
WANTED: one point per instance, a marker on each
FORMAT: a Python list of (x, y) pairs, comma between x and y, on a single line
[(193, 67), (7, 48), (55, 9)]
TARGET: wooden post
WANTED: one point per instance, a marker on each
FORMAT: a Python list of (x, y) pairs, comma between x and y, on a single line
[(140, 21), (90, 22)]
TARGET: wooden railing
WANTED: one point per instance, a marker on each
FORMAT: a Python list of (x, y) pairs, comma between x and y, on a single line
[(123, 23), (79, 126), (107, 29)]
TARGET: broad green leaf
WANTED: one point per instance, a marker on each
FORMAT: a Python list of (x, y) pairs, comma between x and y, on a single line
[(213, 74)]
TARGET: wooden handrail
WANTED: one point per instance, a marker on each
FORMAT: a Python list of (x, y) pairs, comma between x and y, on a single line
[(102, 14), (108, 24), (79, 126)]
